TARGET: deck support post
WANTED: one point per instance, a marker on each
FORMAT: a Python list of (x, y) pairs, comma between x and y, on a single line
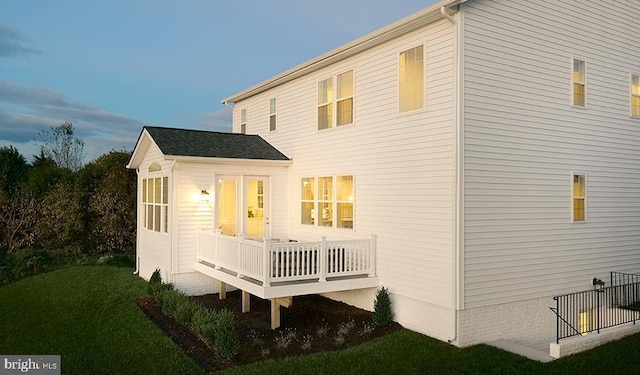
[(223, 290), (276, 303), (246, 301)]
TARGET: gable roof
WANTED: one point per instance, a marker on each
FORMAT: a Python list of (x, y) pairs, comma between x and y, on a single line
[(382, 35), (177, 143)]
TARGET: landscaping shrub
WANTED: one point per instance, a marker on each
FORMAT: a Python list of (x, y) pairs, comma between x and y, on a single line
[(155, 282), (186, 311), (227, 343), (23, 263), (170, 300), (382, 312)]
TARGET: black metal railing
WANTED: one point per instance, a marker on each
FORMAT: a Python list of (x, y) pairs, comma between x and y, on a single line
[(592, 310)]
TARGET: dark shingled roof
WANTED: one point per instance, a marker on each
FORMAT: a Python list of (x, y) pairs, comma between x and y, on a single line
[(186, 142)]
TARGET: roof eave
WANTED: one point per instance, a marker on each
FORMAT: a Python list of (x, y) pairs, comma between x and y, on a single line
[(382, 35), (216, 160)]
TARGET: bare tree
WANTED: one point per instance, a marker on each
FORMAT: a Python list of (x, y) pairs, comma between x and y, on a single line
[(61, 145)]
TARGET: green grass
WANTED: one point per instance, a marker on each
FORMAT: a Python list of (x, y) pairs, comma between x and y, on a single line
[(87, 315)]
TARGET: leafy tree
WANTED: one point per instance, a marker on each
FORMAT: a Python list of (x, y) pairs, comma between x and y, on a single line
[(13, 170), (61, 146), (111, 200), (18, 215), (43, 174), (60, 220)]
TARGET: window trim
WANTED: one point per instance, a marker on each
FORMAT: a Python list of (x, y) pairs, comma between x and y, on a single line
[(576, 82), (633, 95), (162, 205), (583, 197), (273, 114), (423, 105), (335, 100), (318, 199), (243, 121)]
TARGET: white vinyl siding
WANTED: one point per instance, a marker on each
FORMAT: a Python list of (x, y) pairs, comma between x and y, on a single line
[(404, 166), (521, 140)]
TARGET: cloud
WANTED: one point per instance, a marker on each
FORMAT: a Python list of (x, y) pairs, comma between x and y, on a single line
[(26, 110), (13, 43)]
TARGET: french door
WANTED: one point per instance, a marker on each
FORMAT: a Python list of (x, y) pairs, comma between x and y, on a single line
[(243, 206)]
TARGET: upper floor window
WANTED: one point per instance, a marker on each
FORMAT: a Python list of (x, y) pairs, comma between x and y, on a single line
[(272, 114), (329, 203), (335, 106), (579, 197), (243, 121), (411, 79), (579, 83), (635, 95)]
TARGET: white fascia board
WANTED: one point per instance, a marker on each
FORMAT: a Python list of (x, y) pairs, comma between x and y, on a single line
[(213, 160)]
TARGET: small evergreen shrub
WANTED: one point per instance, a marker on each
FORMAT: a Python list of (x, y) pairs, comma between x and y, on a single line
[(186, 310), (155, 282), (382, 312), (171, 299), (227, 343)]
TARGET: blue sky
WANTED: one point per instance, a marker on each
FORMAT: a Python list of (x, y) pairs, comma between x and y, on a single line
[(110, 67)]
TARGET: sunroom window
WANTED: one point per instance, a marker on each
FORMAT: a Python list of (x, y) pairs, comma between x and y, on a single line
[(155, 204)]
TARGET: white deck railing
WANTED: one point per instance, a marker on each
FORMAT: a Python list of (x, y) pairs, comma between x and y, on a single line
[(269, 261)]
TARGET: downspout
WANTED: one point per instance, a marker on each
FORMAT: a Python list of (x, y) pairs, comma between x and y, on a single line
[(137, 222), (173, 268), (226, 104), (457, 160)]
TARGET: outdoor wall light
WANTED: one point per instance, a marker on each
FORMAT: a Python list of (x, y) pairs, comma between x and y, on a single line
[(204, 196), (597, 283)]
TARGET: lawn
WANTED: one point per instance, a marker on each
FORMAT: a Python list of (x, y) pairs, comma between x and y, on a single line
[(87, 315)]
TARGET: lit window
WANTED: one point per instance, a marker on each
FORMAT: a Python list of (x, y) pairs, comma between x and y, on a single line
[(335, 108), (635, 95), (272, 114), (155, 203), (333, 202), (579, 196), (579, 83), (308, 204), (243, 121), (411, 79)]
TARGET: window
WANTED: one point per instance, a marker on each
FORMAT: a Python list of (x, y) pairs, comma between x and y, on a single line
[(308, 211), (411, 79), (272, 114), (579, 83), (579, 198), (243, 121), (333, 201), (155, 202), (335, 108), (635, 95)]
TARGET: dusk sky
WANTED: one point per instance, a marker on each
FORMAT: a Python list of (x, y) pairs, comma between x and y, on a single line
[(110, 67)]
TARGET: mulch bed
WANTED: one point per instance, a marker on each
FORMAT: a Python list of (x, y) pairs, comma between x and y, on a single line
[(258, 340)]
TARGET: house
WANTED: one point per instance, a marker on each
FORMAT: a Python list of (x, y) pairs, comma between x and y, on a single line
[(478, 158)]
